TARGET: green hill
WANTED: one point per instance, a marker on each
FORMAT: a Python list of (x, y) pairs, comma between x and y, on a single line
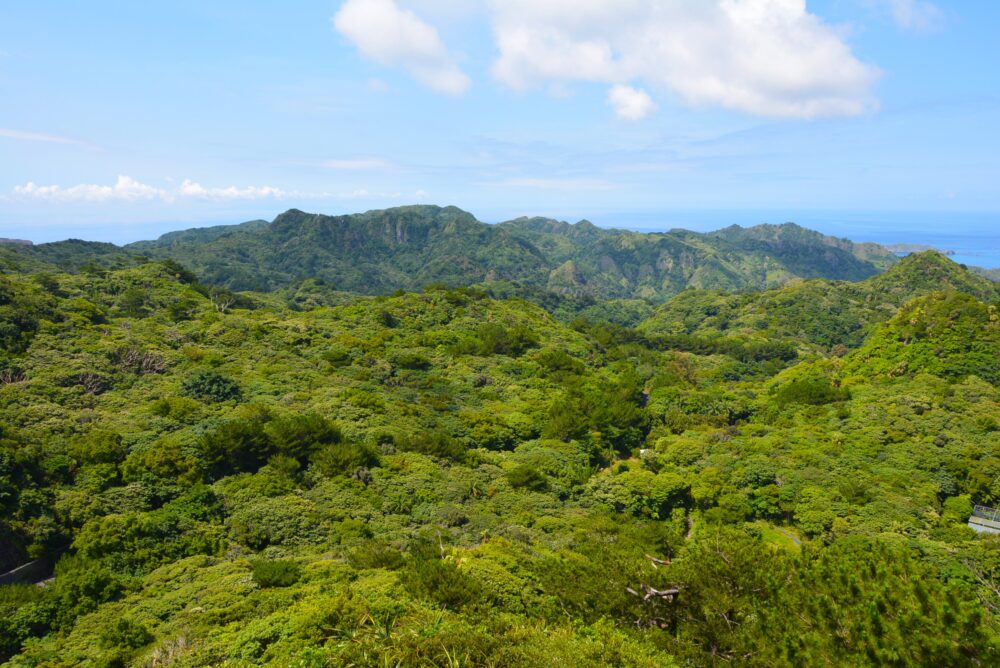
[(823, 313), (408, 247)]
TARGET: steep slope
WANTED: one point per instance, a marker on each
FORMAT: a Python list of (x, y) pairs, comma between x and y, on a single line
[(373, 252)]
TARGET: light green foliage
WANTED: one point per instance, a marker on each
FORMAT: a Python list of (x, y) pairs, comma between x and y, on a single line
[(443, 478)]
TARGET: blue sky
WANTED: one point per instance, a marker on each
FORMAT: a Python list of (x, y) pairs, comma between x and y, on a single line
[(121, 120)]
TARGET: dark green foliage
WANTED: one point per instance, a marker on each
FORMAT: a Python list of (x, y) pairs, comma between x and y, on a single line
[(209, 385), (412, 361), (429, 574), (814, 391), (496, 339), (435, 444), (608, 416), (125, 634), (344, 458), (133, 302), (525, 476), (275, 573), (299, 436), (376, 554), (237, 445)]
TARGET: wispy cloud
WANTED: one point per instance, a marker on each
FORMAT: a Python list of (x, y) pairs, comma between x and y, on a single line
[(915, 15), (22, 135), (356, 164), (560, 183)]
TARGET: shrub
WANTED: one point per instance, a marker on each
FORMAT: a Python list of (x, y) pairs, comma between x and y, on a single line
[(812, 391), (276, 573), (212, 386), (434, 444), (299, 435), (238, 445), (429, 575), (375, 554), (125, 634), (344, 458), (412, 361), (526, 476)]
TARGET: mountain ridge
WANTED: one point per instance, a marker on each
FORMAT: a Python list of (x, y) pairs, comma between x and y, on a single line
[(383, 250)]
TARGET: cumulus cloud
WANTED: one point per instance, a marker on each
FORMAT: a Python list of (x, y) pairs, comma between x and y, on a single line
[(127, 189), (388, 34), (630, 104), (765, 57), (196, 190)]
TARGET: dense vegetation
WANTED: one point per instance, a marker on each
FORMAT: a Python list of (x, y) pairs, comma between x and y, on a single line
[(446, 477), (410, 247)]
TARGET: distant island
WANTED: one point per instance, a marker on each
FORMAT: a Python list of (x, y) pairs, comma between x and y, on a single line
[(906, 249), (16, 242)]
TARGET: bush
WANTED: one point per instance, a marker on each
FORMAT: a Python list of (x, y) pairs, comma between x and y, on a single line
[(412, 361), (238, 445), (344, 458), (125, 634), (811, 391), (429, 575), (276, 573), (526, 476), (434, 444), (299, 435), (212, 386), (495, 339)]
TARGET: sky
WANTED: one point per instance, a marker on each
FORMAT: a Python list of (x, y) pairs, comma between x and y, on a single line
[(122, 120)]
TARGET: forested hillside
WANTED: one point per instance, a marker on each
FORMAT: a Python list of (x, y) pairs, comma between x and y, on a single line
[(410, 247), (454, 476)]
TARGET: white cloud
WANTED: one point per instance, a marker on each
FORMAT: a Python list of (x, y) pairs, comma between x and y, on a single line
[(127, 189), (196, 190), (630, 104), (388, 34), (916, 15), (41, 137), (766, 57)]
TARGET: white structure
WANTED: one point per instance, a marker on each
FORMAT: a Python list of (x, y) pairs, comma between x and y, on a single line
[(985, 520)]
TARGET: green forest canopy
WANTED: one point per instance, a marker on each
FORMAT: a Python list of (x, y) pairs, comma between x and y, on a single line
[(445, 477)]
